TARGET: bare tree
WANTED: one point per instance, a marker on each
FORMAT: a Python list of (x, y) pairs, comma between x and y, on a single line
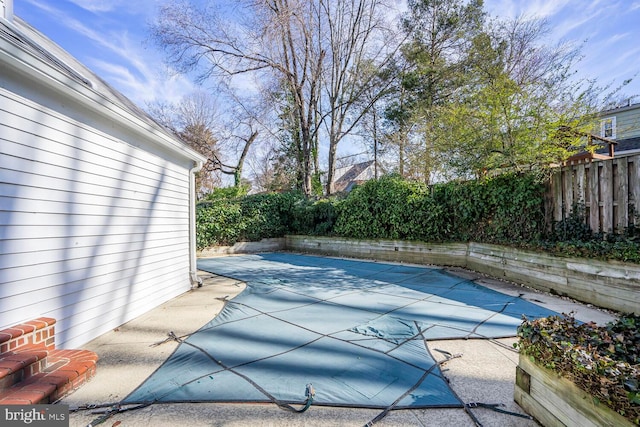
[(324, 54), (269, 36), (193, 120), (197, 121), (360, 46)]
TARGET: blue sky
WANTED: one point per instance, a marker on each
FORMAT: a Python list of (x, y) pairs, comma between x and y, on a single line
[(111, 38)]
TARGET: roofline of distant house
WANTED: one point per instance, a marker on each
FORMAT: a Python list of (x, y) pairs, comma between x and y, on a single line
[(620, 109), (33, 67)]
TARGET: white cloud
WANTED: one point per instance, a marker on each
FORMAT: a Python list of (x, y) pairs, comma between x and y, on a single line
[(122, 6), (530, 9), (618, 37), (97, 6), (545, 8), (137, 73), (150, 87)]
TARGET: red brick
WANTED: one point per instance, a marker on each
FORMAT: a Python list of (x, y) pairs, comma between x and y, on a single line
[(32, 396), (48, 320), (61, 390), (57, 380), (79, 381), (5, 372), (92, 357), (4, 336), (9, 380), (37, 324), (25, 359), (59, 353), (13, 332), (14, 401), (26, 328), (40, 386), (35, 368), (10, 365), (4, 348), (69, 374), (76, 367)]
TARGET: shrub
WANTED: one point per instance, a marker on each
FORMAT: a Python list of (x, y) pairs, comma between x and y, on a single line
[(219, 222), (223, 220), (379, 209), (314, 217)]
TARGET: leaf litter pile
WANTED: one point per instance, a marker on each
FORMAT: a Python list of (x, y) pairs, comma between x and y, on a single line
[(601, 360)]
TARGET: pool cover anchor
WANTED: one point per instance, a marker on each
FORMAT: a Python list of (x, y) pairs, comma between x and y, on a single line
[(309, 393)]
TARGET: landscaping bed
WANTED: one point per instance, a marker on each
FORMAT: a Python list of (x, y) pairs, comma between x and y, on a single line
[(602, 361)]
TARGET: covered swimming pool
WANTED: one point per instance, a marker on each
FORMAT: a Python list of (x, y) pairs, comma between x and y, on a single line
[(357, 331)]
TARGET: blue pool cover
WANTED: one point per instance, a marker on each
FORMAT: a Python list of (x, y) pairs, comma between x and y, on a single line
[(356, 330)]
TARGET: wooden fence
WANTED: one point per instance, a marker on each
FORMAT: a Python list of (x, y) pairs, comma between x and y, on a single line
[(609, 190)]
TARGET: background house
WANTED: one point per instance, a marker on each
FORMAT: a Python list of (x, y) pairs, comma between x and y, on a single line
[(349, 176), (623, 126), (97, 219)]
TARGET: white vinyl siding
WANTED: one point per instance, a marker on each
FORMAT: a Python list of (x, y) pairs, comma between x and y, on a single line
[(94, 230), (628, 123)]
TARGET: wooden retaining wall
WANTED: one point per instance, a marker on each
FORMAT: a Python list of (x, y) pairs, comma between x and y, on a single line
[(555, 401), (611, 284), (453, 254), (265, 245), (608, 189)]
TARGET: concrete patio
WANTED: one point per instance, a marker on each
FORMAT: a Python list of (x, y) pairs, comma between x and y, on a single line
[(484, 372)]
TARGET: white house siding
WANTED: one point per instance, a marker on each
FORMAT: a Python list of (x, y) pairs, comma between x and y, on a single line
[(628, 123), (94, 228)]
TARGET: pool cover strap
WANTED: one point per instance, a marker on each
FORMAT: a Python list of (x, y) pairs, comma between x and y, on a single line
[(309, 391)]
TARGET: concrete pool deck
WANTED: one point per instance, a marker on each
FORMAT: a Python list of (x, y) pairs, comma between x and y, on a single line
[(484, 372)]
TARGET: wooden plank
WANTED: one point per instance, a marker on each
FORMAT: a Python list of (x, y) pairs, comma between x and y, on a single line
[(607, 284), (580, 184), (557, 196), (634, 181), (614, 296), (606, 193), (567, 190), (622, 196), (594, 197), (532, 407)]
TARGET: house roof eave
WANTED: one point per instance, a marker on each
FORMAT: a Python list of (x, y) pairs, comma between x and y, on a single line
[(30, 66)]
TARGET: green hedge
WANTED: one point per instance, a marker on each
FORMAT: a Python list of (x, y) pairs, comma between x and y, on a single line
[(503, 209), (508, 210), (227, 220)]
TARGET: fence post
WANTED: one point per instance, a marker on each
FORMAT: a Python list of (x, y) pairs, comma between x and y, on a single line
[(622, 195), (634, 181), (556, 185), (594, 205)]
